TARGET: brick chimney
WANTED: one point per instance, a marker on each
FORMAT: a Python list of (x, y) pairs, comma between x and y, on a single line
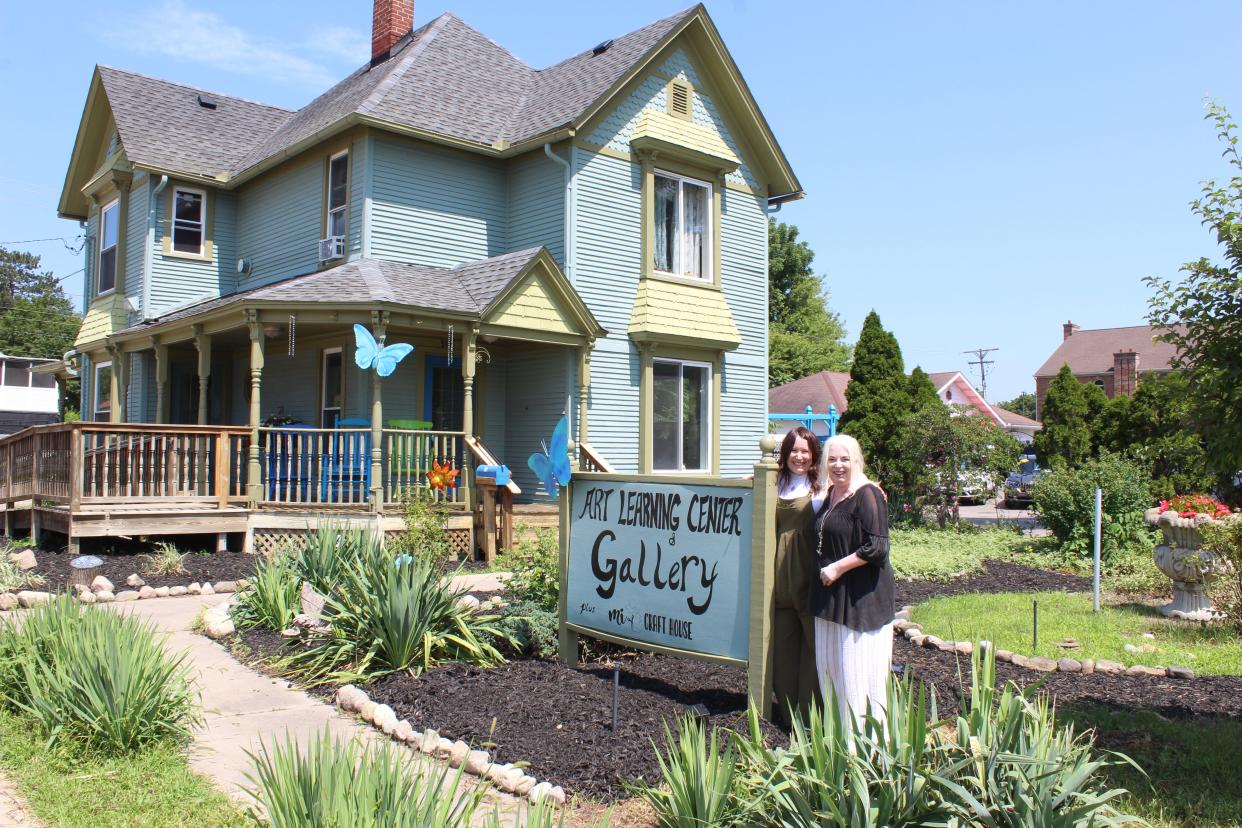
[(392, 21), (1125, 373), (1067, 330)]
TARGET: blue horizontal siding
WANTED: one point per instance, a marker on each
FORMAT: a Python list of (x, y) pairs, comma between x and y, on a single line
[(537, 204), (280, 222)]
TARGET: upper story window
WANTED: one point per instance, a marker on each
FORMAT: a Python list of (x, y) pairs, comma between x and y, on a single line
[(683, 226), (680, 417), (189, 221), (109, 235), (338, 194)]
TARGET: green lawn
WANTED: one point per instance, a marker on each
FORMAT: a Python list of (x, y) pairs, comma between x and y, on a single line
[(155, 789), (1005, 619), (1191, 766), (939, 554)]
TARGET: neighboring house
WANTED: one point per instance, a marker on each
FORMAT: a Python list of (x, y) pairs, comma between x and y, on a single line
[(589, 238), (1111, 358), (826, 388), (27, 397)]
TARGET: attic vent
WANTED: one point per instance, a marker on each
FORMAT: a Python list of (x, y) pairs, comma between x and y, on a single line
[(679, 99), (601, 48), (206, 101)]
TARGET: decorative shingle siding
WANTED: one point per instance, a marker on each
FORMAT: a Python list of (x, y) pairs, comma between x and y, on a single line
[(280, 222), (435, 207), (678, 65), (537, 204)]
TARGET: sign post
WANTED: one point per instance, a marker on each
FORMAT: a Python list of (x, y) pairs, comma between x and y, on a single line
[(676, 565)]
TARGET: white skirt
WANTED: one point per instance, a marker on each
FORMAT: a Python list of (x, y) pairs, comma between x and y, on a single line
[(857, 664)]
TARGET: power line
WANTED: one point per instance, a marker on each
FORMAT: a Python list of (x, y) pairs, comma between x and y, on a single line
[(982, 364), (68, 245)]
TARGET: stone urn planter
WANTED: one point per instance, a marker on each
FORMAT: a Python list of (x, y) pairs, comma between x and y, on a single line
[(1183, 559)]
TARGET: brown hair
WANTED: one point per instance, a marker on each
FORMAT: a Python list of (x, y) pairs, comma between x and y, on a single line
[(812, 442)]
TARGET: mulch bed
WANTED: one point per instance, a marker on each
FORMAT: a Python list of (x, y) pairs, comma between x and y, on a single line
[(200, 567), (558, 719)]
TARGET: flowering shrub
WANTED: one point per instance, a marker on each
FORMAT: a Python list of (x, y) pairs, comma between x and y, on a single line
[(1188, 506)]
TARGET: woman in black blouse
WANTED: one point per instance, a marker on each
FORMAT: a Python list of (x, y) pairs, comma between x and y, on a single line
[(852, 595)]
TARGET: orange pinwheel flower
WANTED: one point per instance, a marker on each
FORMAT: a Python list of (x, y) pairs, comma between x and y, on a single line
[(442, 477)]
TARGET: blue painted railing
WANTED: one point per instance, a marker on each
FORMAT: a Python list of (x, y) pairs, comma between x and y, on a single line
[(808, 418)]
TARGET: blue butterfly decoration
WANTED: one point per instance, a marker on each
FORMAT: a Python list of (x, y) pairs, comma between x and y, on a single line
[(552, 466), (370, 355)]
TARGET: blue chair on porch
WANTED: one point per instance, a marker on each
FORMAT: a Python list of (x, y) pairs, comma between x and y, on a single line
[(347, 463), (289, 463)]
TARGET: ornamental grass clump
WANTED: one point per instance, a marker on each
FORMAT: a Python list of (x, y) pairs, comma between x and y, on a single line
[(273, 598), (95, 679), (13, 579), (393, 613), (166, 560)]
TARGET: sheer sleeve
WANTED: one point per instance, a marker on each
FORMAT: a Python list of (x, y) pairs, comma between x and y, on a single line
[(872, 515)]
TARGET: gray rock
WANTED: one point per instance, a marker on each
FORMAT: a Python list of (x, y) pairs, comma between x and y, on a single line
[(403, 731), (931, 642), (135, 581), (207, 589), (226, 586), (458, 754), (220, 629), (146, 592), (1004, 655), (242, 583), (524, 787), (539, 791), (177, 590), (510, 779), (1020, 660), (431, 741), (33, 598), (964, 647), (383, 717), (557, 794), (1069, 665), (1143, 670), (1180, 672), (477, 762), (291, 632), (1104, 665), (918, 640), (469, 602), (105, 596), (127, 595), (350, 698), (1088, 666), (24, 560), (195, 588), (444, 748), (162, 592), (1149, 636), (947, 646), (366, 710), (102, 584), (902, 615), (1043, 665), (8, 601), (87, 597)]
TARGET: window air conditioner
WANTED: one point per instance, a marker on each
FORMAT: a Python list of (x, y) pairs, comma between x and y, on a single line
[(331, 248)]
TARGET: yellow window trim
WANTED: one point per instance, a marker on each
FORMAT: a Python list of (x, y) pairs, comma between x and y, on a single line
[(209, 210)]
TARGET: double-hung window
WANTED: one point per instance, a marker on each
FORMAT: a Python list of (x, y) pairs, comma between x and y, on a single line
[(109, 236), (189, 221), (683, 226), (338, 194), (681, 401), (103, 391)]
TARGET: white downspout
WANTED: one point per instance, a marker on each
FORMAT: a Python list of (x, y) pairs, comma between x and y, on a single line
[(569, 211), (149, 254)]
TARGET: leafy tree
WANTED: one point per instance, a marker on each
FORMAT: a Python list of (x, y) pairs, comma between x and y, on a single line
[(1067, 433), (1202, 313), (879, 404), (36, 318), (1065, 501), (804, 336), (1023, 404)]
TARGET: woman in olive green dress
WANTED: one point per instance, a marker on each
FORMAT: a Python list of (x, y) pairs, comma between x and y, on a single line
[(800, 495)]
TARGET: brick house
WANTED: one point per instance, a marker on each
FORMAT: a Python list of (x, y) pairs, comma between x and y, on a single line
[(1111, 358)]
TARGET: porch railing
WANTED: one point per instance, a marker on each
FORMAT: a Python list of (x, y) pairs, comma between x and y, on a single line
[(83, 463)]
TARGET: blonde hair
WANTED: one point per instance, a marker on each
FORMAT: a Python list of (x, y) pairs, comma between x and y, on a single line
[(858, 473)]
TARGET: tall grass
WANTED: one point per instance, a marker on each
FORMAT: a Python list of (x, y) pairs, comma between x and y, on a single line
[(94, 678)]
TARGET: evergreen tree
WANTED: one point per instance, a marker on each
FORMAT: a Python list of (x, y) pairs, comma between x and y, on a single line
[(1067, 432), (922, 390), (36, 318), (879, 402), (804, 336)]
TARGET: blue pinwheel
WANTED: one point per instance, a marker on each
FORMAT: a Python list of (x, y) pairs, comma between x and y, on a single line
[(552, 466), (370, 355)]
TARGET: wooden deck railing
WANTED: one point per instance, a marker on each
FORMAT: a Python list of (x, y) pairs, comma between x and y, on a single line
[(88, 462), (591, 460)]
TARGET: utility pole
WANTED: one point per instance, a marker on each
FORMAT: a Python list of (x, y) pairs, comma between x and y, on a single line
[(979, 354)]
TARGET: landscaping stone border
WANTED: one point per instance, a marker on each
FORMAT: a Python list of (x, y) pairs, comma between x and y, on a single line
[(914, 632), (103, 591)]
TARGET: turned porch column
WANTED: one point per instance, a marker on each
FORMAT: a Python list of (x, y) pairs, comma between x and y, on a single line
[(468, 366), (379, 329), (120, 385), (254, 471), (203, 343), (161, 382), (584, 388)]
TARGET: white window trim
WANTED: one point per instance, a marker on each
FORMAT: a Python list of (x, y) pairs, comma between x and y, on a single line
[(323, 387), (99, 366), (706, 434), (344, 208), (708, 242), (202, 223), (114, 203)]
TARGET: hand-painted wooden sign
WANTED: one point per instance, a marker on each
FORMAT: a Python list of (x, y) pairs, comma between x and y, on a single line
[(668, 564)]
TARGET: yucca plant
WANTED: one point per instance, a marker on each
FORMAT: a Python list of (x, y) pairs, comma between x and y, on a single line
[(389, 614), (272, 599), (329, 551), (332, 784), (96, 678), (166, 560), (698, 788)]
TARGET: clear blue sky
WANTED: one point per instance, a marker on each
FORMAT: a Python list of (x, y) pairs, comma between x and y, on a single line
[(977, 172)]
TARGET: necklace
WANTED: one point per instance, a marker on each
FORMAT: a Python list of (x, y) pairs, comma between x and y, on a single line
[(823, 520)]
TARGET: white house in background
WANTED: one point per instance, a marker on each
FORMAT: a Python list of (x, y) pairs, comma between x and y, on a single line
[(26, 397), (828, 388)]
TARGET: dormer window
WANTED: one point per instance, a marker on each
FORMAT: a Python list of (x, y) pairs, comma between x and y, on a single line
[(109, 235), (338, 195), (682, 226), (189, 221)]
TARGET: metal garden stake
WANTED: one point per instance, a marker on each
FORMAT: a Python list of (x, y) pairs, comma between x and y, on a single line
[(1034, 626), (1099, 501), (616, 689)]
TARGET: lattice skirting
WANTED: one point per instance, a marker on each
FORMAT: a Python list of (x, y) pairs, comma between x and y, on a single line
[(271, 542)]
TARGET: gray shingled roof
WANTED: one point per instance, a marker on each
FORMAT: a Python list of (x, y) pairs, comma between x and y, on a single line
[(467, 289), (162, 125), (444, 78)]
